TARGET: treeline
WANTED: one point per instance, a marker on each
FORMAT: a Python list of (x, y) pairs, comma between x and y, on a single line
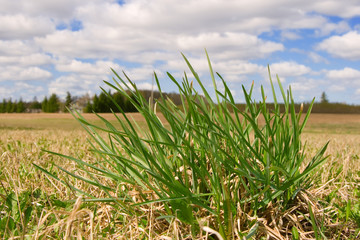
[(8, 106), (103, 104), (51, 104), (98, 103), (324, 106), (335, 108)]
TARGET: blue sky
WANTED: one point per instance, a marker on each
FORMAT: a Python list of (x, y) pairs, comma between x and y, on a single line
[(58, 46)]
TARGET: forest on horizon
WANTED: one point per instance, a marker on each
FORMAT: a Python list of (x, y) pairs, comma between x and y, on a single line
[(103, 104)]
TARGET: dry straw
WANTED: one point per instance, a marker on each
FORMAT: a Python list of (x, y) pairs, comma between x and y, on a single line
[(210, 169)]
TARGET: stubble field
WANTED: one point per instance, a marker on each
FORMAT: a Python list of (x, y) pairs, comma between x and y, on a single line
[(36, 206)]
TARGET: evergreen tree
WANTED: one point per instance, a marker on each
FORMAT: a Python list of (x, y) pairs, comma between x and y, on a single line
[(88, 108), (53, 103), (44, 105), (35, 104), (20, 106), (68, 101), (13, 107), (104, 103), (119, 99), (3, 106), (129, 106), (9, 106), (95, 105), (324, 99)]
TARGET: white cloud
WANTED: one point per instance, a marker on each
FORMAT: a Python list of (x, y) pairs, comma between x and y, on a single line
[(29, 91), (26, 60), (149, 57), (86, 77), (144, 73), (76, 66), (301, 20), (230, 70), (199, 64), (229, 45), (139, 28), (337, 88), (344, 80), (16, 73), (101, 42), (146, 86), (315, 57), (289, 69), (346, 46), (288, 35), (151, 34), (191, 17), (345, 8), (344, 74), (53, 9), (21, 61), (77, 85), (237, 70), (237, 67), (6, 93), (22, 27), (16, 48), (108, 42), (303, 86), (329, 28)]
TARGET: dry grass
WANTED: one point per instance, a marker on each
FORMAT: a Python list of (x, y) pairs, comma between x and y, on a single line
[(319, 123), (57, 215)]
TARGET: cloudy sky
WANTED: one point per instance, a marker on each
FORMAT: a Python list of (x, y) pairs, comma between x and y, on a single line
[(58, 46)]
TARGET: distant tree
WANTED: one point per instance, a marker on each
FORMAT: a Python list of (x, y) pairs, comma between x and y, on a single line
[(324, 98), (3, 106), (13, 107), (20, 106), (129, 106), (95, 105), (53, 103), (9, 106), (105, 104), (44, 105), (119, 99), (88, 108), (175, 97), (35, 104), (68, 101)]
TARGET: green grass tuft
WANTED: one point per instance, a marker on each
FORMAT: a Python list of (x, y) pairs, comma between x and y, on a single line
[(207, 160)]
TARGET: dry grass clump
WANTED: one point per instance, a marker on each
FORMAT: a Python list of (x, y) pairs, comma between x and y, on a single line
[(26, 193), (54, 211), (337, 179), (338, 182)]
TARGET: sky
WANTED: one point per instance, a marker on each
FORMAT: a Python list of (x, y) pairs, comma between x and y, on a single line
[(70, 45)]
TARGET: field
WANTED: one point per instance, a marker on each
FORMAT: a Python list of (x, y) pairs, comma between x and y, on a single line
[(36, 206), (318, 123)]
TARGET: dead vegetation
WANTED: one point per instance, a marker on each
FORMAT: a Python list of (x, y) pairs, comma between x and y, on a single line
[(57, 212)]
